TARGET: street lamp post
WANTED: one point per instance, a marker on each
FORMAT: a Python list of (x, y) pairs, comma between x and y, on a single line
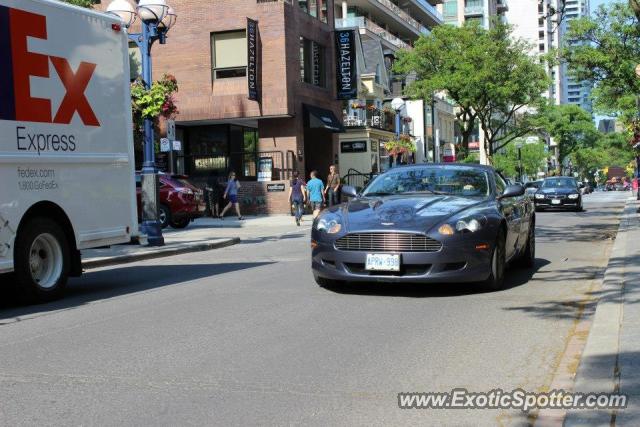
[(397, 104), (519, 147), (156, 18)]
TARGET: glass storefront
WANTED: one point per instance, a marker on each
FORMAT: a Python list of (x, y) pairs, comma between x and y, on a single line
[(218, 149)]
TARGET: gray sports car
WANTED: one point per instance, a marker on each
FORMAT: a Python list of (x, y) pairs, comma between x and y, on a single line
[(426, 223)]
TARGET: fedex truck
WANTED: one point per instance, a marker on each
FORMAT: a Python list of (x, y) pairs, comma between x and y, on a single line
[(66, 151)]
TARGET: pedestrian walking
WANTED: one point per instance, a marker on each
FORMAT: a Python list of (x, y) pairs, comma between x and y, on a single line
[(297, 196), (332, 190), (231, 194), (316, 193), (213, 195)]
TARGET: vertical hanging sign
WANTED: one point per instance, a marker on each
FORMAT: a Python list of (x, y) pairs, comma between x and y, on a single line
[(252, 59), (346, 64)]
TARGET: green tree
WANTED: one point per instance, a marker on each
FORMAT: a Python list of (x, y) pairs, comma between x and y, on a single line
[(488, 74), (533, 159), (608, 150), (607, 52), (570, 126), (82, 3)]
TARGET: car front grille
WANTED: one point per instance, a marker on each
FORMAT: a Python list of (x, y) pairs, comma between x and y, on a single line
[(387, 242)]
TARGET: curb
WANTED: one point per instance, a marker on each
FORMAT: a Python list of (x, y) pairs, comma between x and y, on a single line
[(159, 253), (598, 369)]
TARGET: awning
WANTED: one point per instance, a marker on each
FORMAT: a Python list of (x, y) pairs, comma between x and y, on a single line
[(320, 118)]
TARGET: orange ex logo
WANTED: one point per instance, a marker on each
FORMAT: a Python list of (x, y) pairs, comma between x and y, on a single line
[(18, 65)]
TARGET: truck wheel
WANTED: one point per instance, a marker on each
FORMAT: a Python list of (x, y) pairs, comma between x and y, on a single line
[(181, 223), (164, 216), (42, 261)]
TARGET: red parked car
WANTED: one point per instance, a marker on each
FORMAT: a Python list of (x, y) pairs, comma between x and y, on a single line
[(180, 201)]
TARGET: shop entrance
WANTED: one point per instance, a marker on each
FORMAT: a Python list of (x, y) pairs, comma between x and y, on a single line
[(320, 125)]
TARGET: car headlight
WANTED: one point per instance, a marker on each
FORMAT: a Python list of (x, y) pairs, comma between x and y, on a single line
[(471, 225), (539, 196), (574, 196), (329, 223), (461, 226)]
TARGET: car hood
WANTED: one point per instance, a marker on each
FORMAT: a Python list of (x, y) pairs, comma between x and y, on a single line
[(558, 190), (402, 212)]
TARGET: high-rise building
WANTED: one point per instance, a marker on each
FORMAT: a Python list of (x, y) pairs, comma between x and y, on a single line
[(458, 12), (575, 92), (537, 23)]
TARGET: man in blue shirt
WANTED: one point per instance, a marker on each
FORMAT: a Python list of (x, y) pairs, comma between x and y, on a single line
[(315, 187)]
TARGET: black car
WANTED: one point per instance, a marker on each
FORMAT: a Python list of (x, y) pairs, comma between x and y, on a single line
[(427, 223), (560, 192)]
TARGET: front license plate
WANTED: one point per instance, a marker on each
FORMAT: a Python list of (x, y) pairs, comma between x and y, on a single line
[(383, 262), (555, 202)]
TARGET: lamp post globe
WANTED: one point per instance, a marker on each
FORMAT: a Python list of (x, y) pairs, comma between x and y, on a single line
[(169, 19), (152, 11), (397, 104), (124, 10)]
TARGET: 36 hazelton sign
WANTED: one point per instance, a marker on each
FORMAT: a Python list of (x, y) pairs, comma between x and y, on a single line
[(346, 64), (252, 59)]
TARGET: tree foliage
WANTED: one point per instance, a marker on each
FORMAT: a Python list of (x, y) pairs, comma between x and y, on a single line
[(82, 3), (608, 150), (570, 126), (491, 77), (533, 159), (606, 51)]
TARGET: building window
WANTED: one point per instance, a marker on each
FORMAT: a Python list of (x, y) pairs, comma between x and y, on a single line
[(315, 8), (541, 34), (229, 54), (541, 47), (313, 63), (540, 8), (451, 9), (540, 22)]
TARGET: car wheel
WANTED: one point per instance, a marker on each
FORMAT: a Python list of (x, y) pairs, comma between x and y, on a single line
[(164, 216), (42, 261), (539, 209), (528, 258), (495, 281), (181, 223)]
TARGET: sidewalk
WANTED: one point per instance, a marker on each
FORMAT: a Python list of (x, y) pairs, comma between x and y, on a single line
[(201, 235), (610, 362)]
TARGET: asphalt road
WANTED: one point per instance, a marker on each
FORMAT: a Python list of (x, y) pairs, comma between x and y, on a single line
[(243, 335)]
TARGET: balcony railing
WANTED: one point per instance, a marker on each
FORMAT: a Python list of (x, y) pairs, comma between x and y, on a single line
[(362, 22), (432, 10), (370, 118), (474, 10), (404, 16)]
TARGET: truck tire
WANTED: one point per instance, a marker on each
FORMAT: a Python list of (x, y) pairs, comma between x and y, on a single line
[(42, 261)]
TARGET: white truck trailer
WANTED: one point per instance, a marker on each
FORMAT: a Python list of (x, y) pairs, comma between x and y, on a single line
[(66, 151)]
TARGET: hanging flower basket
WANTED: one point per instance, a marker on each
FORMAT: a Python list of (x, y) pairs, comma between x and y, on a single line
[(406, 119), (400, 146), (371, 107), (357, 106)]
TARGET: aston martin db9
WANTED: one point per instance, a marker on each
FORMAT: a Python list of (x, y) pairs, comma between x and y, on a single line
[(426, 223)]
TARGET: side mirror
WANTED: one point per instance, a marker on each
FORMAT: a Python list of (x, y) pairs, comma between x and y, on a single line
[(512, 191), (581, 185), (349, 191)]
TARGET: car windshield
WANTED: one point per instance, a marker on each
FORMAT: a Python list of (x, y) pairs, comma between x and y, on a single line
[(431, 180), (559, 182)]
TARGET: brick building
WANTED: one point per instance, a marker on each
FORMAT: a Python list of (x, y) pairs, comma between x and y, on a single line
[(292, 125)]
